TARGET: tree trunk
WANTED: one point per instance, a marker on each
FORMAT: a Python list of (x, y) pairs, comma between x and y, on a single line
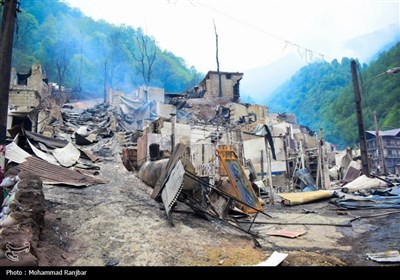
[(219, 74)]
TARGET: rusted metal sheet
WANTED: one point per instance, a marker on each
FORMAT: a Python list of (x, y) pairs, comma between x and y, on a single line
[(129, 158), (353, 172), (88, 154), (237, 176), (173, 188), (52, 174), (287, 233), (49, 173)]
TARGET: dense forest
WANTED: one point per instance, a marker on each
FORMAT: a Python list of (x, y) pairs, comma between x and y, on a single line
[(86, 55), (322, 96)]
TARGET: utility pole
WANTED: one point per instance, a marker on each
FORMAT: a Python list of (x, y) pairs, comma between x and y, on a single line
[(379, 145), (10, 9), (360, 121)]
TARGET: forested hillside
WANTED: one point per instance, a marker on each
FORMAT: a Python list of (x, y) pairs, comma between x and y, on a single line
[(83, 54), (321, 95)]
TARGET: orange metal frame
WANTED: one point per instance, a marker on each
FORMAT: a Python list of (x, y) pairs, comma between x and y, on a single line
[(238, 179)]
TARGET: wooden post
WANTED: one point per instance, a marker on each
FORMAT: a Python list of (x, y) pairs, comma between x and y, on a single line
[(10, 9), (318, 177), (325, 181), (301, 154), (262, 165), (271, 189), (173, 132)]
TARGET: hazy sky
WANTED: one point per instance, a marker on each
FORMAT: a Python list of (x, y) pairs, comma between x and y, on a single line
[(251, 33)]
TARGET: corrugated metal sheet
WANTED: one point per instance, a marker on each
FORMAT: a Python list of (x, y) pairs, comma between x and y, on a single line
[(173, 188), (49, 173), (52, 174), (387, 256)]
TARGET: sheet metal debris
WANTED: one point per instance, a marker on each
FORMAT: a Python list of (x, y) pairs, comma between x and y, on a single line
[(274, 260), (172, 188), (52, 143), (369, 202), (307, 181), (391, 256), (363, 183), (45, 156), (67, 156), (304, 197), (176, 154), (49, 173), (55, 175)]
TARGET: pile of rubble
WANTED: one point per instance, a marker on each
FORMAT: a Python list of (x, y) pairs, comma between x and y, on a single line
[(21, 218)]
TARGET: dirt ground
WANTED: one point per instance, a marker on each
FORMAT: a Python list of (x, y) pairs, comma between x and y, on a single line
[(119, 224)]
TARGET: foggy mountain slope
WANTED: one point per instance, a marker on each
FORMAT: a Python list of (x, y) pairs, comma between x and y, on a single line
[(261, 83)]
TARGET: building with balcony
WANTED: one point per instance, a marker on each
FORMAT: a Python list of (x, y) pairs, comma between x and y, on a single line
[(390, 146)]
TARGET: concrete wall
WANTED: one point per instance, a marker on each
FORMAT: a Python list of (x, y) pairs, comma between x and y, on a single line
[(142, 150), (148, 94), (35, 81), (211, 85), (238, 110), (203, 159), (23, 100), (182, 135), (165, 110), (252, 150)]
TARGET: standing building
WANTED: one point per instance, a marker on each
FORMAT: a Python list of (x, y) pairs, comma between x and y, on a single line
[(230, 84), (390, 146)]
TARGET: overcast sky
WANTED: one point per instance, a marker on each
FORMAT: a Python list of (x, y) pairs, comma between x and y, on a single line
[(251, 33)]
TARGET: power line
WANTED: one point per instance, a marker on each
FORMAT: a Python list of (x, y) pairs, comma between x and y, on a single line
[(305, 53)]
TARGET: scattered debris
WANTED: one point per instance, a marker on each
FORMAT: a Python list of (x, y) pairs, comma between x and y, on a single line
[(112, 262), (369, 202), (287, 233), (49, 173), (304, 197), (307, 181), (274, 260), (363, 183), (391, 256), (21, 219), (306, 211)]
